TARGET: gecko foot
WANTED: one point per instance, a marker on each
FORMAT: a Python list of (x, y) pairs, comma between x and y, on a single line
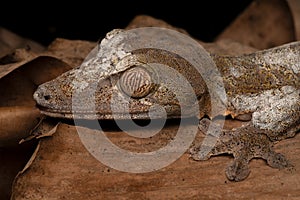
[(238, 170), (244, 143)]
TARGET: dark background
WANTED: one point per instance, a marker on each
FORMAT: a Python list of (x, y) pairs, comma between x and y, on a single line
[(43, 21)]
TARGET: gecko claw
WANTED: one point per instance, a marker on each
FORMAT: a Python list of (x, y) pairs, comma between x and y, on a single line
[(244, 143)]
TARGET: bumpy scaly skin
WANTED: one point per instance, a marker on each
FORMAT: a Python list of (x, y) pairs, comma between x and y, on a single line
[(265, 84), (263, 87)]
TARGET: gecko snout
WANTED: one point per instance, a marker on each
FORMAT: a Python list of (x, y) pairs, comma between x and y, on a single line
[(39, 95), (42, 96), (49, 96)]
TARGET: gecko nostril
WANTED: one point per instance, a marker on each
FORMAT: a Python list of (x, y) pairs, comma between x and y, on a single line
[(47, 97)]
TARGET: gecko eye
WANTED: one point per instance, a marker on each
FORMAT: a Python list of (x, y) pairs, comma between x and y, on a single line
[(136, 82)]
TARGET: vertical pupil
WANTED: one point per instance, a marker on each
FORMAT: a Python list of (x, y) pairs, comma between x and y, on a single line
[(136, 82)]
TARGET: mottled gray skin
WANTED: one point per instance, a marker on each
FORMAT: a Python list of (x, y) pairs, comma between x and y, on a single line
[(262, 88), (264, 84)]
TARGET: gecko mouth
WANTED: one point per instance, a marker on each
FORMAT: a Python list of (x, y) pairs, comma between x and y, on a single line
[(94, 115), (54, 113)]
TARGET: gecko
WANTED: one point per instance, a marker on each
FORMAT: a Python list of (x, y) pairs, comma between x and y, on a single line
[(262, 88)]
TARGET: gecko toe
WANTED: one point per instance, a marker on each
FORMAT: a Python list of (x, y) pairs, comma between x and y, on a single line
[(277, 160), (238, 170)]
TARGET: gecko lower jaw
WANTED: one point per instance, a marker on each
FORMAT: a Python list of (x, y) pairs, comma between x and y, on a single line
[(92, 115)]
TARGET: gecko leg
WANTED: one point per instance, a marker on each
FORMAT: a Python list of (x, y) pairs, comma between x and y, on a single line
[(244, 143)]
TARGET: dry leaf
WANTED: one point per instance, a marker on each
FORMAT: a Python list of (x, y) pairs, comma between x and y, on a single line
[(228, 47), (47, 127), (10, 41), (14, 60), (20, 73), (16, 123), (72, 52), (63, 168), (31, 159), (12, 161), (294, 6), (264, 24), (148, 21), (17, 85), (225, 46), (44, 68)]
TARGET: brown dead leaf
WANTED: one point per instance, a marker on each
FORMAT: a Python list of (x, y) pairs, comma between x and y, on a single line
[(18, 82), (228, 47), (46, 128), (9, 42), (16, 90), (16, 123), (44, 68), (264, 24), (224, 46), (31, 159), (20, 73), (49, 133), (294, 6), (63, 168), (72, 52), (148, 21), (12, 161), (14, 60)]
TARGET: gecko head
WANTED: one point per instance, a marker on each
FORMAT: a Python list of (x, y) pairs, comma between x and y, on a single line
[(114, 82), (147, 80)]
